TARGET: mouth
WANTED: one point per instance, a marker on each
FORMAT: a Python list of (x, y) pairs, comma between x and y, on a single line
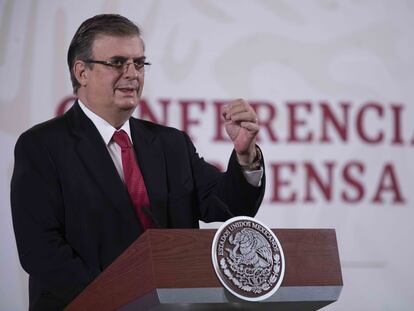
[(128, 90)]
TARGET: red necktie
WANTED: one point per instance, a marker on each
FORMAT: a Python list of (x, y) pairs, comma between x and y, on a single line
[(133, 178)]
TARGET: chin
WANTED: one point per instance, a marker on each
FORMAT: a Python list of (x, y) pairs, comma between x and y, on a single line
[(127, 104)]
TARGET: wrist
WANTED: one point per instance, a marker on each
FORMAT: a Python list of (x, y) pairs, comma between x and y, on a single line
[(247, 158), (251, 162)]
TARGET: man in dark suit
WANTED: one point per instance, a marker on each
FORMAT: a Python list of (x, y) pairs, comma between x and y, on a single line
[(86, 185)]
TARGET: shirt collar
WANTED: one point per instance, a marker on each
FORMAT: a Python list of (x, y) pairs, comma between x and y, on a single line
[(104, 128)]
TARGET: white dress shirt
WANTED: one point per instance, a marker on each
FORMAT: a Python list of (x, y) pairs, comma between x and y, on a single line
[(107, 130)]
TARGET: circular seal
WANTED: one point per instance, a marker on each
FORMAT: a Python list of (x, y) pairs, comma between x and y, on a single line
[(248, 258)]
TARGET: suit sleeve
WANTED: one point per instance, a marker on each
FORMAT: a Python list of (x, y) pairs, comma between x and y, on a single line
[(230, 187), (38, 220)]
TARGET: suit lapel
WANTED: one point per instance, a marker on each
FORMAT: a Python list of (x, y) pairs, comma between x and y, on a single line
[(150, 155), (97, 161)]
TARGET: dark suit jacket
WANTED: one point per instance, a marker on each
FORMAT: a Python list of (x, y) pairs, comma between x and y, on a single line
[(72, 215)]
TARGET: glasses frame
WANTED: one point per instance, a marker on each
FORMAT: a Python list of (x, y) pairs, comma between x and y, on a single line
[(139, 64)]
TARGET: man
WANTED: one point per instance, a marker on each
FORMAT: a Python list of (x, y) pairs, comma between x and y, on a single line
[(87, 184)]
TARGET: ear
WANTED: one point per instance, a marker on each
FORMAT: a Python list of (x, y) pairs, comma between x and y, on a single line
[(81, 72)]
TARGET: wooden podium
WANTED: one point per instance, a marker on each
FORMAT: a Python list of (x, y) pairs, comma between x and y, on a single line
[(171, 269)]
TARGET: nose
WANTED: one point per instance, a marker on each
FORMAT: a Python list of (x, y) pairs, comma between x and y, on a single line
[(130, 73)]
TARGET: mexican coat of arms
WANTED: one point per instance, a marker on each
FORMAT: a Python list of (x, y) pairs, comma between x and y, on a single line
[(248, 258)]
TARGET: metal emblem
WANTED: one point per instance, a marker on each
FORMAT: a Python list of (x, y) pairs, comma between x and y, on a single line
[(248, 258)]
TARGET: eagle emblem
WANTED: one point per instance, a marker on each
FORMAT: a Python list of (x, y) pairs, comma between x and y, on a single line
[(248, 258)]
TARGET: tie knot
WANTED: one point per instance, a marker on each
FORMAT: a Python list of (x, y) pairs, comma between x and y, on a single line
[(122, 139)]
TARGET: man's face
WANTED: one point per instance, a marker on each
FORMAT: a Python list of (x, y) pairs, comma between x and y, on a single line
[(110, 91)]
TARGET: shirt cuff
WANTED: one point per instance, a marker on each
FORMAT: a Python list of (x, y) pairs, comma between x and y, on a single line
[(254, 178)]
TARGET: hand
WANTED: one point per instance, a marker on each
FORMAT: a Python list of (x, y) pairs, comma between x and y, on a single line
[(242, 127)]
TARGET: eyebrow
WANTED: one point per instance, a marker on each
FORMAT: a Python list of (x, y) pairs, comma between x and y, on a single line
[(125, 58)]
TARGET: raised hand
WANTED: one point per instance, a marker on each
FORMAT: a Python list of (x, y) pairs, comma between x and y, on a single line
[(242, 127)]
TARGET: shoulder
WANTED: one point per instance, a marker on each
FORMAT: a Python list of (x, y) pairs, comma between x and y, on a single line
[(48, 131), (45, 128)]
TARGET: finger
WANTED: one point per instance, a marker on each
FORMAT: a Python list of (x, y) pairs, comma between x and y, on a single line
[(251, 127), (244, 116), (236, 104), (236, 107), (225, 111)]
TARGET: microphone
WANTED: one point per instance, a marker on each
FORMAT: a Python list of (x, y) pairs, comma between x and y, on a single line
[(223, 205), (154, 220)]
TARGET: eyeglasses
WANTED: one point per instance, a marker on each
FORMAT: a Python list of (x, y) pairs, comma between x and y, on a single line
[(121, 64)]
